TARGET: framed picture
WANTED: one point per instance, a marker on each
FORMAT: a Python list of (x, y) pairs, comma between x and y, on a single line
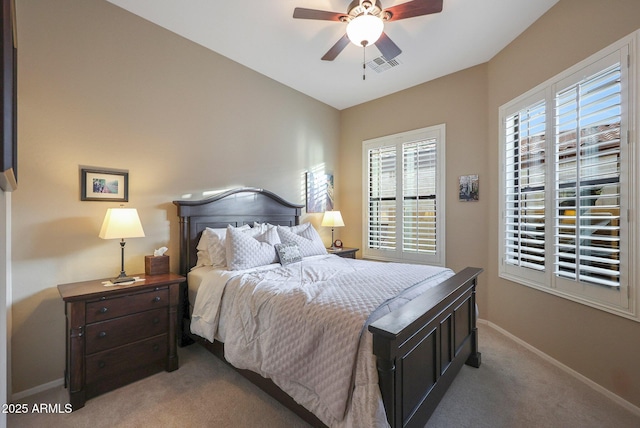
[(8, 100), (469, 188), (319, 192), (104, 185)]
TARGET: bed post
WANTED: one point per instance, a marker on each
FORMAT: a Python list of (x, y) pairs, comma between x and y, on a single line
[(475, 359), (184, 255), (386, 378), (183, 300)]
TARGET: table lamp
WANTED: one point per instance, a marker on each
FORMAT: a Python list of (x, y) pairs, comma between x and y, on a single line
[(121, 223), (332, 219)]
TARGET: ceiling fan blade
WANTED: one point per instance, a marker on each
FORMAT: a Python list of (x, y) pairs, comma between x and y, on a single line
[(414, 8), (303, 13), (387, 48), (336, 49)]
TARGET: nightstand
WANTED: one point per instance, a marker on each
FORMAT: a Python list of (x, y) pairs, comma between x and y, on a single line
[(118, 334), (348, 253)]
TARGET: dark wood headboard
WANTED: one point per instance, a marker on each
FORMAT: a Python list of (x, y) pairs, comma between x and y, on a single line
[(235, 207)]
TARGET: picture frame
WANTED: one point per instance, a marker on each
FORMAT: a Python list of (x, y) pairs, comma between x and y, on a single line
[(469, 188), (104, 185), (8, 99), (319, 192)]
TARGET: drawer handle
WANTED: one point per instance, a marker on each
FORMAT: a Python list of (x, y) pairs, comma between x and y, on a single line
[(102, 334), (101, 364), (103, 310), (156, 347), (156, 320), (156, 299)]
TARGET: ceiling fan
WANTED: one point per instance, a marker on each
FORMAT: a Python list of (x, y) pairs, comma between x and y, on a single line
[(365, 23)]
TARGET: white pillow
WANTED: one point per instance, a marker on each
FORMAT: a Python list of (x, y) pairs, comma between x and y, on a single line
[(250, 248), (203, 254), (262, 227), (211, 247), (297, 228), (203, 259), (307, 238)]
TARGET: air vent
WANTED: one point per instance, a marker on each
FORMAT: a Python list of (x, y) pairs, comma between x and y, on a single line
[(381, 64)]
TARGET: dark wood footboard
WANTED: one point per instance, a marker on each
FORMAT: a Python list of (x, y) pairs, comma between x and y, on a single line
[(422, 346)]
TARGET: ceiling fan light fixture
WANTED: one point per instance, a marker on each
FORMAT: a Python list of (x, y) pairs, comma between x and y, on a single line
[(364, 30)]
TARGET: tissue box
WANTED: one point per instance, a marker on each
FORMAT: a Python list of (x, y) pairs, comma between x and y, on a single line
[(156, 265)]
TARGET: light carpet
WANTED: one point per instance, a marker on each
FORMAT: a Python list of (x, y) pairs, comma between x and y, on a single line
[(513, 388)]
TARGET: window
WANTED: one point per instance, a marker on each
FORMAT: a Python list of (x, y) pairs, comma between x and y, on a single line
[(566, 184), (404, 197)]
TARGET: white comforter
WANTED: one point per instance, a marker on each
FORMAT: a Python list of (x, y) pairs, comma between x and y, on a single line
[(304, 327)]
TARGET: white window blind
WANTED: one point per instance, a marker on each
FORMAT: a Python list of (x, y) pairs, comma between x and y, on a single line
[(524, 196), (404, 196), (419, 197), (587, 193), (382, 198), (566, 183)]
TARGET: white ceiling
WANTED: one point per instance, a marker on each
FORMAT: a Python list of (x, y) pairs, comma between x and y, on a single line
[(262, 35)]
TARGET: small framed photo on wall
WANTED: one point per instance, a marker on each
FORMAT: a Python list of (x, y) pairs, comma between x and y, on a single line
[(104, 185), (469, 188)]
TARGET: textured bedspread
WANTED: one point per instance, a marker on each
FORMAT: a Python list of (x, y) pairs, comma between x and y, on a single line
[(304, 326)]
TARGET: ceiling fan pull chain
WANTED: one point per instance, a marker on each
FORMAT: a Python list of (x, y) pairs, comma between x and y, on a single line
[(364, 62)]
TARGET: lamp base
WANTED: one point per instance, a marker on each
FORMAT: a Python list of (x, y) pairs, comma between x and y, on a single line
[(123, 278), (123, 275)]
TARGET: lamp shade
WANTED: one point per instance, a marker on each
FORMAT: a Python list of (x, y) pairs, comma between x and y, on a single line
[(364, 30), (120, 223), (332, 219)]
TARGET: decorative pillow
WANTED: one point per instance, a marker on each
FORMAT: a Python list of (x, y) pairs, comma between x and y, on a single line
[(305, 236), (211, 247), (250, 248), (288, 253)]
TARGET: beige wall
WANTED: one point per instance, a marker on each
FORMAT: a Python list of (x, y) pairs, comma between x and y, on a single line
[(101, 87), (600, 346)]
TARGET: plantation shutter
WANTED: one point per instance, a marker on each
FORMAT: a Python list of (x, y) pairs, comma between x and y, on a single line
[(524, 196), (382, 198), (587, 192), (419, 197)]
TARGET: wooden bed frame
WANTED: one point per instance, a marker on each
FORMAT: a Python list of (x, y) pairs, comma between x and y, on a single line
[(420, 347)]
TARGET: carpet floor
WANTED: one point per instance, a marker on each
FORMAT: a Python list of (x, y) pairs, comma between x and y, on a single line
[(513, 388)]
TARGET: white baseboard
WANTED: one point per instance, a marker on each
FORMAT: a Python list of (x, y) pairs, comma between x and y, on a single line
[(37, 389), (599, 388)]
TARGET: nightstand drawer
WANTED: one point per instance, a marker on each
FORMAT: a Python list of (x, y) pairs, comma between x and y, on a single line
[(127, 329), (118, 361), (116, 307)]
